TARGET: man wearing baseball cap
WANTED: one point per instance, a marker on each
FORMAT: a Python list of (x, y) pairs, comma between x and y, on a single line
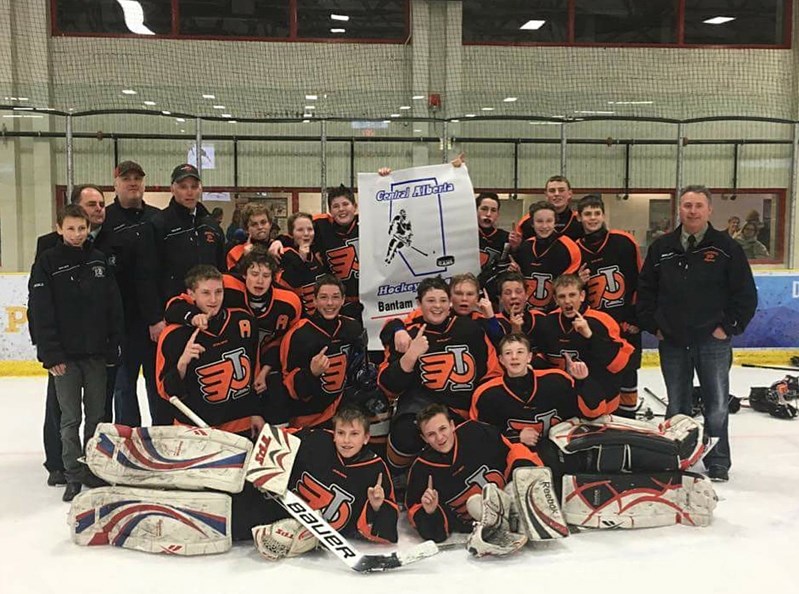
[(185, 233), (128, 223)]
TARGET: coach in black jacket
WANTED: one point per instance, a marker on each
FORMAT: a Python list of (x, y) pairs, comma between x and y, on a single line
[(185, 233), (130, 235), (695, 292)]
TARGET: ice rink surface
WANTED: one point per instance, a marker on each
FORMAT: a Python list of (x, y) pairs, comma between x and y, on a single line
[(752, 545)]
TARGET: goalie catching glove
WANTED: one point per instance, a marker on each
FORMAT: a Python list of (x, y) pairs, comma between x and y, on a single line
[(284, 538)]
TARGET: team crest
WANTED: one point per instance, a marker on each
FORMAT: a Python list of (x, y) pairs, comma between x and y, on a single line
[(226, 379), (334, 503)]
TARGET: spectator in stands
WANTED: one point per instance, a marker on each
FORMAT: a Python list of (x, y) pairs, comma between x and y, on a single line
[(753, 249)]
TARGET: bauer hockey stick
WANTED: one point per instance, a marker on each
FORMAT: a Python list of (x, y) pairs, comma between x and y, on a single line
[(330, 538)]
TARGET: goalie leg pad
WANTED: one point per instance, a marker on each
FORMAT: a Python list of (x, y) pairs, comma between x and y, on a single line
[(173, 457), (638, 500), (284, 538), (153, 521), (492, 534), (537, 504), (269, 467)]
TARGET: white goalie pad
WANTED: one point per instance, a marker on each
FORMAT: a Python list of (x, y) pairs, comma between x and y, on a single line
[(638, 500), (170, 457), (269, 468), (492, 533), (153, 521), (537, 504), (616, 444), (284, 538)]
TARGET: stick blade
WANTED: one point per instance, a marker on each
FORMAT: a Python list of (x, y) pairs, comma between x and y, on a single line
[(372, 563)]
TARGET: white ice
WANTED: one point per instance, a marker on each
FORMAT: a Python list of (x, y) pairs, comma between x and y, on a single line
[(752, 545)]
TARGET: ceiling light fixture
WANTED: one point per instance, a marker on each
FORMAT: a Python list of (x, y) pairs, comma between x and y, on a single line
[(337, 30), (339, 17), (128, 92), (532, 25), (149, 103), (209, 96), (311, 97), (719, 20), (510, 99)]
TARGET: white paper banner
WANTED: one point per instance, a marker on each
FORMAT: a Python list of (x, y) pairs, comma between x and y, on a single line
[(415, 223), (15, 342)]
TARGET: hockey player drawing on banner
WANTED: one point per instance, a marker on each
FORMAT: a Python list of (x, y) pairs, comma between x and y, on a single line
[(340, 477), (401, 235), (471, 474)]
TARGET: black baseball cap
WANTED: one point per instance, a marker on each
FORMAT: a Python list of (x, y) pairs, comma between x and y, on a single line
[(128, 166), (183, 171)]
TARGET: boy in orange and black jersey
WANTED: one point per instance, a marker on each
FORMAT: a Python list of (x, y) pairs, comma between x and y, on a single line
[(456, 464), (446, 358), (611, 262), (275, 311), (299, 273), (559, 195), (586, 335), (545, 256), (315, 356), (336, 241), (344, 480), (514, 315), (525, 403), (212, 370)]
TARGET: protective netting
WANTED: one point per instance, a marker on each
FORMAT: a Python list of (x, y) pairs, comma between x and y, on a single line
[(271, 80)]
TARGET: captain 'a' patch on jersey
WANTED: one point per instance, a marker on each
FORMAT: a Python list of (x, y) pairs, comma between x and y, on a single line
[(474, 486), (333, 501), (453, 369), (343, 260), (227, 378)]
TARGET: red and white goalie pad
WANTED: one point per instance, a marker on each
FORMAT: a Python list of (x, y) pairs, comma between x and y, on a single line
[(637, 500), (269, 468), (172, 457), (610, 444), (153, 521)]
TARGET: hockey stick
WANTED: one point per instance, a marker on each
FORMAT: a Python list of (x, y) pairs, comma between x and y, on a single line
[(795, 369), (330, 538), (420, 251), (655, 396)]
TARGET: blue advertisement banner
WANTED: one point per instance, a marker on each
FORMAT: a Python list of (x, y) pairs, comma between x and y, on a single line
[(776, 322)]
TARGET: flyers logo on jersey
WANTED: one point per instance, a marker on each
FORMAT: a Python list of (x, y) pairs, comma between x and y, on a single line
[(227, 378), (539, 289), (454, 369), (332, 501), (333, 378), (542, 422), (474, 486), (558, 360), (606, 288), (306, 295), (343, 261)]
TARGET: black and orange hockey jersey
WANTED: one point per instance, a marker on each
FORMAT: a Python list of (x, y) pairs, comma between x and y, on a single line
[(391, 326), (218, 385), (299, 274), (235, 253), (529, 320), (492, 245), (338, 247), (606, 353), (614, 260), (337, 487), (481, 455), (541, 261), (276, 312), (317, 398), (566, 223), (459, 356), (539, 400)]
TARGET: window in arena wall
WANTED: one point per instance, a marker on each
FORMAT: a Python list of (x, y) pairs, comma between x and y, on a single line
[(759, 22), (222, 18), (346, 19), (620, 21), (502, 21), (150, 17)]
